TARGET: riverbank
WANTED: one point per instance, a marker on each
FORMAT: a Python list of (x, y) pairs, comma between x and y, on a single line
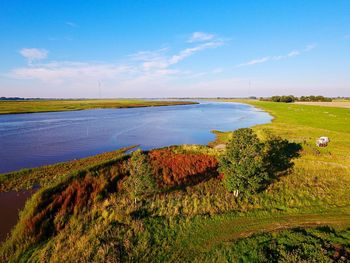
[(27, 179), (33, 106), (17, 187)]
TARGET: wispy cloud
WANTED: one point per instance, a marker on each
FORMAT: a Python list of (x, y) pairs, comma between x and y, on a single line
[(32, 54), (160, 59), (148, 54), (66, 70), (291, 54), (71, 24), (254, 62), (140, 67), (190, 51), (200, 36), (346, 36)]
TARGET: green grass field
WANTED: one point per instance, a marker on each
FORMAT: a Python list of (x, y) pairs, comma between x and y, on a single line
[(304, 124), (11, 107), (304, 217), (321, 176)]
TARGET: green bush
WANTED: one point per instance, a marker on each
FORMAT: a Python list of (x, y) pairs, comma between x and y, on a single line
[(141, 181)]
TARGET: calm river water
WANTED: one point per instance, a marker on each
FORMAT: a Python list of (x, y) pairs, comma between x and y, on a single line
[(30, 140)]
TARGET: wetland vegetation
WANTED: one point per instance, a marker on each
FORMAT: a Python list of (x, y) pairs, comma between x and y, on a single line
[(31, 106)]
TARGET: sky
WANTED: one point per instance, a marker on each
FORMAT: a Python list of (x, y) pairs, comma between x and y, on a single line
[(197, 48)]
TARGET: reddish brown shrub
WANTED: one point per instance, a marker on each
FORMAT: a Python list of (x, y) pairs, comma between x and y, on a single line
[(58, 204), (174, 169)]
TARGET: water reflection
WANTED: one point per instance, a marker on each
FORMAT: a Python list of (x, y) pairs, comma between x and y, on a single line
[(10, 204)]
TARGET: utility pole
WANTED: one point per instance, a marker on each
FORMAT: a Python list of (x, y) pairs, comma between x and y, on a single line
[(99, 89)]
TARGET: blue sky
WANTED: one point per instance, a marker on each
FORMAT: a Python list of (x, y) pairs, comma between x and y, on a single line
[(174, 48)]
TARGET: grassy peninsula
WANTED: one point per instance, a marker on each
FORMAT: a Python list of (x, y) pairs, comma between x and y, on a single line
[(32, 106), (103, 212)]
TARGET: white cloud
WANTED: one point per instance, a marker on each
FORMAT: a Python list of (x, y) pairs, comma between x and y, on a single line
[(71, 24), (32, 54), (291, 54), (190, 51), (158, 59), (200, 36), (148, 54), (143, 69), (141, 66), (254, 62), (63, 71)]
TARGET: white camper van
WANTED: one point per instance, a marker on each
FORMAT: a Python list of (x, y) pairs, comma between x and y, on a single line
[(322, 141)]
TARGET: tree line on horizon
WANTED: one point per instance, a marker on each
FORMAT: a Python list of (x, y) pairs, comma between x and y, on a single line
[(291, 98)]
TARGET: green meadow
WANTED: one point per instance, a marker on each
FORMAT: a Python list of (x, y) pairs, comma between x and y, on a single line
[(31, 106), (302, 217)]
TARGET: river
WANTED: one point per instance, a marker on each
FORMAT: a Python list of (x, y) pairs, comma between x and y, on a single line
[(31, 140)]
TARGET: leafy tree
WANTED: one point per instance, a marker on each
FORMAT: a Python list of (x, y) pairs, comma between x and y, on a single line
[(250, 165), (243, 164), (287, 99), (315, 98), (141, 181)]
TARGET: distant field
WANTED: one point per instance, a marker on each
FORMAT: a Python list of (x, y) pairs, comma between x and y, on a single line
[(11, 107), (342, 100), (338, 104)]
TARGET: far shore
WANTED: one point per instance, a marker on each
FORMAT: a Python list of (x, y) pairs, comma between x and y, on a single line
[(34, 106)]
